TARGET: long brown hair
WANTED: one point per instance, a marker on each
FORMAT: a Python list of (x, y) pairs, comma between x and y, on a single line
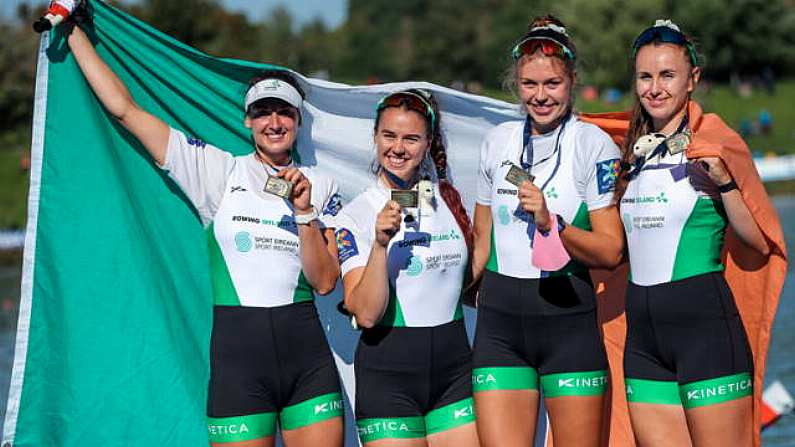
[(438, 154), (640, 123)]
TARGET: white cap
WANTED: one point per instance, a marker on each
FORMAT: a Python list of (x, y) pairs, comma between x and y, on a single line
[(274, 88)]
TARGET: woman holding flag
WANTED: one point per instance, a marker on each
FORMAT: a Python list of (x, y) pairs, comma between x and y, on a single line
[(545, 179), (688, 366), (270, 250)]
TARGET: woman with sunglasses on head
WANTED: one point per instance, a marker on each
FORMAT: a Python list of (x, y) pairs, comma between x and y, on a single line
[(687, 363), (269, 249), (404, 252), (535, 325)]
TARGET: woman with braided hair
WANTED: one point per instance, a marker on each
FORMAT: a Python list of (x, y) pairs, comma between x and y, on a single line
[(549, 174), (404, 253)]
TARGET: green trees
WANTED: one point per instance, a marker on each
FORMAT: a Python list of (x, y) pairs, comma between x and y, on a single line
[(445, 40), (18, 52)]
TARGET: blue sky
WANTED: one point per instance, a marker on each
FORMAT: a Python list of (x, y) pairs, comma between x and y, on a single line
[(331, 11)]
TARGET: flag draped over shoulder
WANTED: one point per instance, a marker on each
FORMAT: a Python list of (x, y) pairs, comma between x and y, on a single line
[(113, 338), (755, 281)]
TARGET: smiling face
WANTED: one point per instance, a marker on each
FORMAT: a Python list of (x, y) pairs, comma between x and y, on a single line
[(274, 128), (664, 80), (544, 86), (401, 140)]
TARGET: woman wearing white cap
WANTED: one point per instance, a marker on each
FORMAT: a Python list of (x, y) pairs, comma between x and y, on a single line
[(269, 251)]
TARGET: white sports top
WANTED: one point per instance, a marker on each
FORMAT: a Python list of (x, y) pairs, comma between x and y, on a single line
[(426, 259), (674, 230), (252, 236), (577, 176)]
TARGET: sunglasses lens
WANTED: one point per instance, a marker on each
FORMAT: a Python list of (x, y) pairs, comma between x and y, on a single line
[(663, 34), (548, 48), (413, 102)]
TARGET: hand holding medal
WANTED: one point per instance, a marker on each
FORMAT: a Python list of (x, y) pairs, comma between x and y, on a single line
[(549, 254), (291, 184), (531, 198), (387, 223)]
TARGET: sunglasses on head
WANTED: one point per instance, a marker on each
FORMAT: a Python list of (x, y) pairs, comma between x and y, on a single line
[(412, 101), (548, 47), (665, 34)]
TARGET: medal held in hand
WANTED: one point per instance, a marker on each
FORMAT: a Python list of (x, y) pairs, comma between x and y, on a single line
[(405, 198), (278, 186), (516, 176)]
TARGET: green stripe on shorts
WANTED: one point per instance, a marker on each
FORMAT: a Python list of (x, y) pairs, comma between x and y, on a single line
[(504, 378), (396, 428), (450, 416), (658, 392), (241, 428), (716, 391), (312, 411), (588, 383)]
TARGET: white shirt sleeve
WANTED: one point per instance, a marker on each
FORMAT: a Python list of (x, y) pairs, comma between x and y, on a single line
[(200, 170), (354, 236), (485, 170), (326, 199), (597, 167)]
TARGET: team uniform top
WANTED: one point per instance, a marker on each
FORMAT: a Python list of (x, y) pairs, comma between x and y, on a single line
[(576, 176), (252, 235), (674, 222), (426, 259)]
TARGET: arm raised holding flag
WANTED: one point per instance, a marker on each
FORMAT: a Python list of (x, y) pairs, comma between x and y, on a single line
[(151, 131), (271, 247)]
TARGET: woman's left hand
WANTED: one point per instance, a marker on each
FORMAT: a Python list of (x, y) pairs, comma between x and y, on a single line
[(716, 170), (302, 189)]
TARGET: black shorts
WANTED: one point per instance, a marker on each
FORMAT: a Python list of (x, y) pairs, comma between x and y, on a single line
[(532, 330), (686, 344), (269, 364), (412, 381)]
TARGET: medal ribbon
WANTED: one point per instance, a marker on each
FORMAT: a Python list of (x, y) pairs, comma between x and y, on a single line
[(526, 158), (659, 150)]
